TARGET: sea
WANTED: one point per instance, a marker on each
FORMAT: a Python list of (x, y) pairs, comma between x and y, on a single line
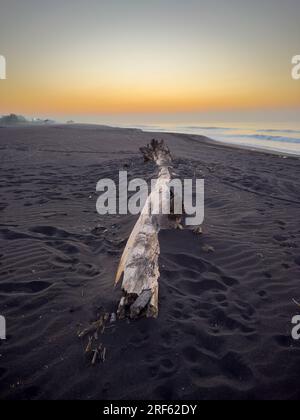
[(275, 137)]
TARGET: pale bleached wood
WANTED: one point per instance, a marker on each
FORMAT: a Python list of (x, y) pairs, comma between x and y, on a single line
[(139, 262)]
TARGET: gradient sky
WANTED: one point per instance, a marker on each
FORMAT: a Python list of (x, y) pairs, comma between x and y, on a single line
[(97, 57)]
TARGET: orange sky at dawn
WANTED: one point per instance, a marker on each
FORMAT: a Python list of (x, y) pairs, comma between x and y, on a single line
[(163, 57)]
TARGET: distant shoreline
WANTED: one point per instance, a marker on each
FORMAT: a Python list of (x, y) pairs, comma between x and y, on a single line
[(160, 134), (192, 137)]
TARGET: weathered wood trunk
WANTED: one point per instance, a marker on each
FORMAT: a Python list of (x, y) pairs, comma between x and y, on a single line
[(139, 262)]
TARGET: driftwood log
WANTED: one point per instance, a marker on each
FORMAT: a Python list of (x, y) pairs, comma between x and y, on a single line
[(139, 262)]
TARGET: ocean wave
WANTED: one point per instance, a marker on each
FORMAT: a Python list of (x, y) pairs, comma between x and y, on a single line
[(267, 138), (279, 131)]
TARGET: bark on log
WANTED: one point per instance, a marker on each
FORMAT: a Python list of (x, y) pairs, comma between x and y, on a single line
[(139, 262)]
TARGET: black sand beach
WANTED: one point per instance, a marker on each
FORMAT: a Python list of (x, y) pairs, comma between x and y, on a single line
[(224, 326)]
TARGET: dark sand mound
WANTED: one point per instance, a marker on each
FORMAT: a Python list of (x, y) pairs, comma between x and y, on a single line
[(224, 328)]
